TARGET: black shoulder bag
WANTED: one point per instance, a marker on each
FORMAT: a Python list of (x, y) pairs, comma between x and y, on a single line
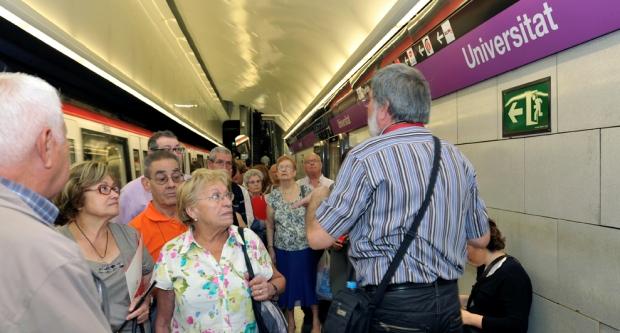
[(352, 310), (269, 317)]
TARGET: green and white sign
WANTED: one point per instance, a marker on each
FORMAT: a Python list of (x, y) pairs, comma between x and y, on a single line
[(526, 108)]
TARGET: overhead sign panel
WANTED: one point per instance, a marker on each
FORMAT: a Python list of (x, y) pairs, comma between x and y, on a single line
[(526, 109), (524, 32)]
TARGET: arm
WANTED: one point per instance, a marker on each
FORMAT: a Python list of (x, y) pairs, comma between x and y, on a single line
[(318, 238), (263, 289), (270, 225), (240, 220), (165, 308), (247, 201)]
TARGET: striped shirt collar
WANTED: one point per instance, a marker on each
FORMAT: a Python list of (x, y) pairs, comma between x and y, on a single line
[(44, 208)]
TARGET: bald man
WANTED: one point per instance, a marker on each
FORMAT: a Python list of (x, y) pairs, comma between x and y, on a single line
[(313, 168)]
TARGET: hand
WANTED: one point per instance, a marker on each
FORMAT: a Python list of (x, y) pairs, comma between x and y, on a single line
[(142, 313), (262, 290), (337, 245), (303, 202)]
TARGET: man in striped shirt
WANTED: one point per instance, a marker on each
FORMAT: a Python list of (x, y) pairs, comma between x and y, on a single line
[(380, 188)]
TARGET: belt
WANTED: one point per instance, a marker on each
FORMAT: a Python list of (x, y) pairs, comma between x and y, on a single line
[(409, 285)]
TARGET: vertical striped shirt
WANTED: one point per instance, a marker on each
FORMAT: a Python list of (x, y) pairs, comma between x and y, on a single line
[(379, 189), (44, 208)]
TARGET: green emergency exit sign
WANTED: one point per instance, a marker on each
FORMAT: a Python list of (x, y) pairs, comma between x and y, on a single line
[(526, 108)]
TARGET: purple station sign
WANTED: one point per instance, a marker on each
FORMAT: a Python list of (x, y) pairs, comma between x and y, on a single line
[(525, 32), (350, 119)]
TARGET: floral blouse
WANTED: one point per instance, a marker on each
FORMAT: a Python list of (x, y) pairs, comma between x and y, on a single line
[(211, 296), (290, 227)]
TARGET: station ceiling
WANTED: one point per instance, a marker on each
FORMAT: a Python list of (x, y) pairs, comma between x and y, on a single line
[(186, 57)]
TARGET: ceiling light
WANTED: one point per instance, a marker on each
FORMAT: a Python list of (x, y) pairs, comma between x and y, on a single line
[(185, 106), (9, 16)]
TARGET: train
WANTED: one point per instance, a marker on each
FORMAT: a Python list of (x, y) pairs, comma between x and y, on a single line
[(94, 136)]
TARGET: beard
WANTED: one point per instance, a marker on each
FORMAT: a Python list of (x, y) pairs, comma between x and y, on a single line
[(373, 125)]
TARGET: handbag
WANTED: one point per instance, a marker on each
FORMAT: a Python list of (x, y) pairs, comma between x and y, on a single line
[(269, 318), (352, 310)]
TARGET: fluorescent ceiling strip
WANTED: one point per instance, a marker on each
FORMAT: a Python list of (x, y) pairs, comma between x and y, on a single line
[(410, 14), (84, 62)]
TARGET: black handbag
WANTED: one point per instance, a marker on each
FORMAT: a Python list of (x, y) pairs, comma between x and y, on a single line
[(352, 310), (269, 317)]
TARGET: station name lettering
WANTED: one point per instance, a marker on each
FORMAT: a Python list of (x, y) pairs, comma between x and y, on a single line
[(346, 121), (516, 36)]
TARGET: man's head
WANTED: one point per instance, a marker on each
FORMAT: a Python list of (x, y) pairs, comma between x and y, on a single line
[(166, 140), (220, 158), (313, 165), (32, 135), (398, 93), (162, 177)]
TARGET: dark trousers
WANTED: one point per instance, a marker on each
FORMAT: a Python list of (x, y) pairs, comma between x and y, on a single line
[(434, 309)]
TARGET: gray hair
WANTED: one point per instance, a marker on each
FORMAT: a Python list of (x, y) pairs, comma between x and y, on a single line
[(27, 105), (252, 173), (405, 90), (157, 156), (159, 134), (218, 150)]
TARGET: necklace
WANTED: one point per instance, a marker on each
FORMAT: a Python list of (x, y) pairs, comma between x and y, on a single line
[(105, 252)]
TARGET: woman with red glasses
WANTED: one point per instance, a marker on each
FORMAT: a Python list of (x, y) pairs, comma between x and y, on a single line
[(87, 203)]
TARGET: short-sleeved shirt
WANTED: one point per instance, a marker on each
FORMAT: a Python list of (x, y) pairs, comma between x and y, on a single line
[(290, 225), (156, 228), (323, 181), (379, 189), (113, 274), (211, 296), (133, 200)]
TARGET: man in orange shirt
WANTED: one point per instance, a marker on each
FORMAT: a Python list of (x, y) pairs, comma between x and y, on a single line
[(159, 223)]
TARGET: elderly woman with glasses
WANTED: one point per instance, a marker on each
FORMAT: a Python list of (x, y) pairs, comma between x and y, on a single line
[(288, 245), (87, 203), (201, 275)]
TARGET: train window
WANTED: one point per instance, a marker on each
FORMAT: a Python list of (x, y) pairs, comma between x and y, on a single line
[(136, 162), (113, 149), (200, 160), (72, 151)]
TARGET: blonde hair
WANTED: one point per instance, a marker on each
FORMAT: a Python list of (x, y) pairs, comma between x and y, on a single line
[(187, 193), (81, 176)]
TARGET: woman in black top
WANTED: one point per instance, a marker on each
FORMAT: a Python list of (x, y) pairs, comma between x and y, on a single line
[(501, 298)]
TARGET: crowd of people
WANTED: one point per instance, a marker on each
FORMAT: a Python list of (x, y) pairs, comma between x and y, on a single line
[(83, 251)]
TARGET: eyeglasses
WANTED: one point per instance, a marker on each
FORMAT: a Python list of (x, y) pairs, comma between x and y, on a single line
[(219, 196), (312, 161), (285, 167), (105, 189), (258, 181), (162, 178), (172, 149), (228, 164)]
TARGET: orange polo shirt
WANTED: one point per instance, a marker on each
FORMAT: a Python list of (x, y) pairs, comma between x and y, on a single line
[(156, 229)]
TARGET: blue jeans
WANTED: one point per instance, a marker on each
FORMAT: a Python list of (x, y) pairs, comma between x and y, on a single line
[(434, 309)]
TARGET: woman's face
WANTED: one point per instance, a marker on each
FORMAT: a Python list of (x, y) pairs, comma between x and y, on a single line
[(286, 170), (273, 174), (255, 185), (98, 203), (214, 206), (476, 256)]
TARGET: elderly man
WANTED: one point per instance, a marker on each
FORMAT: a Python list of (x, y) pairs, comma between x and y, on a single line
[(221, 158), (46, 285), (134, 196), (313, 167), (158, 223), (378, 192)]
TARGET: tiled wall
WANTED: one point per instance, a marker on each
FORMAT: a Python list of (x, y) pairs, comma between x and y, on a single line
[(555, 196)]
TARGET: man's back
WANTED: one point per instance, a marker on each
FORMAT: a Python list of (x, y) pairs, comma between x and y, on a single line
[(46, 284), (378, 192)]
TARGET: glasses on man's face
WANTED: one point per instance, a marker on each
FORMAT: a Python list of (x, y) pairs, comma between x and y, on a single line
[(219, 196), (171, 149), (162, 178), (227, 164), (105, 189), (285, 167)]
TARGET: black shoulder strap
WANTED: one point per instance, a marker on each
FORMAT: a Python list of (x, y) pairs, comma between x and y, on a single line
[(248, 263), (410, 236)]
